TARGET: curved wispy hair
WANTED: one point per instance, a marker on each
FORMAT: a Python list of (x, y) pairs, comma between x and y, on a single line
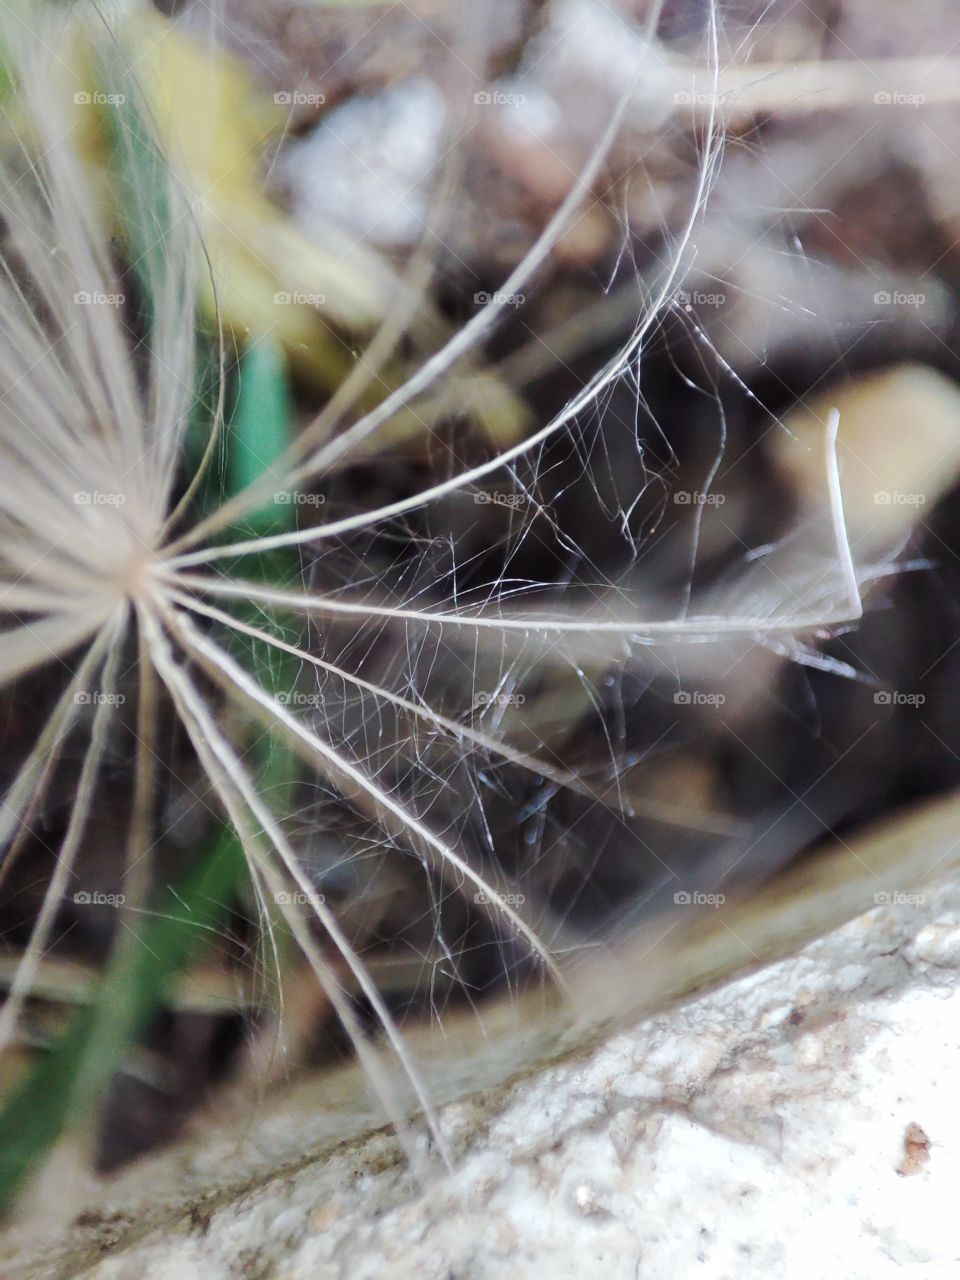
[(96, 548)]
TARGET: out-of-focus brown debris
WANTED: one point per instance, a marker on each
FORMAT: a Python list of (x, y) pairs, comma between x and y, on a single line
[(329, 53), (916, 1151)]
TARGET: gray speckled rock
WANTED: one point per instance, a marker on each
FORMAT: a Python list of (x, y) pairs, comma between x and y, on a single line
[(800, 1120)]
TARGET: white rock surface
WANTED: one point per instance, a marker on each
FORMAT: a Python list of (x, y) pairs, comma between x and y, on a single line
[(367, 165), (762, 1130)]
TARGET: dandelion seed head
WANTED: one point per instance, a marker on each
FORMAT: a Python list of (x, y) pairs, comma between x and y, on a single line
[(101, 540)]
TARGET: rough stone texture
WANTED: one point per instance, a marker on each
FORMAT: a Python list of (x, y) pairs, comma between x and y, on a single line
[(801, 1121)]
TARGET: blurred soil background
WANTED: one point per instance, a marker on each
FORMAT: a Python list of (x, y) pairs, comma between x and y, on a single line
[(367, 148)]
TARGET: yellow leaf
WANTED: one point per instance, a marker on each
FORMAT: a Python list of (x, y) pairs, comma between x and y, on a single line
[(270, 277)]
